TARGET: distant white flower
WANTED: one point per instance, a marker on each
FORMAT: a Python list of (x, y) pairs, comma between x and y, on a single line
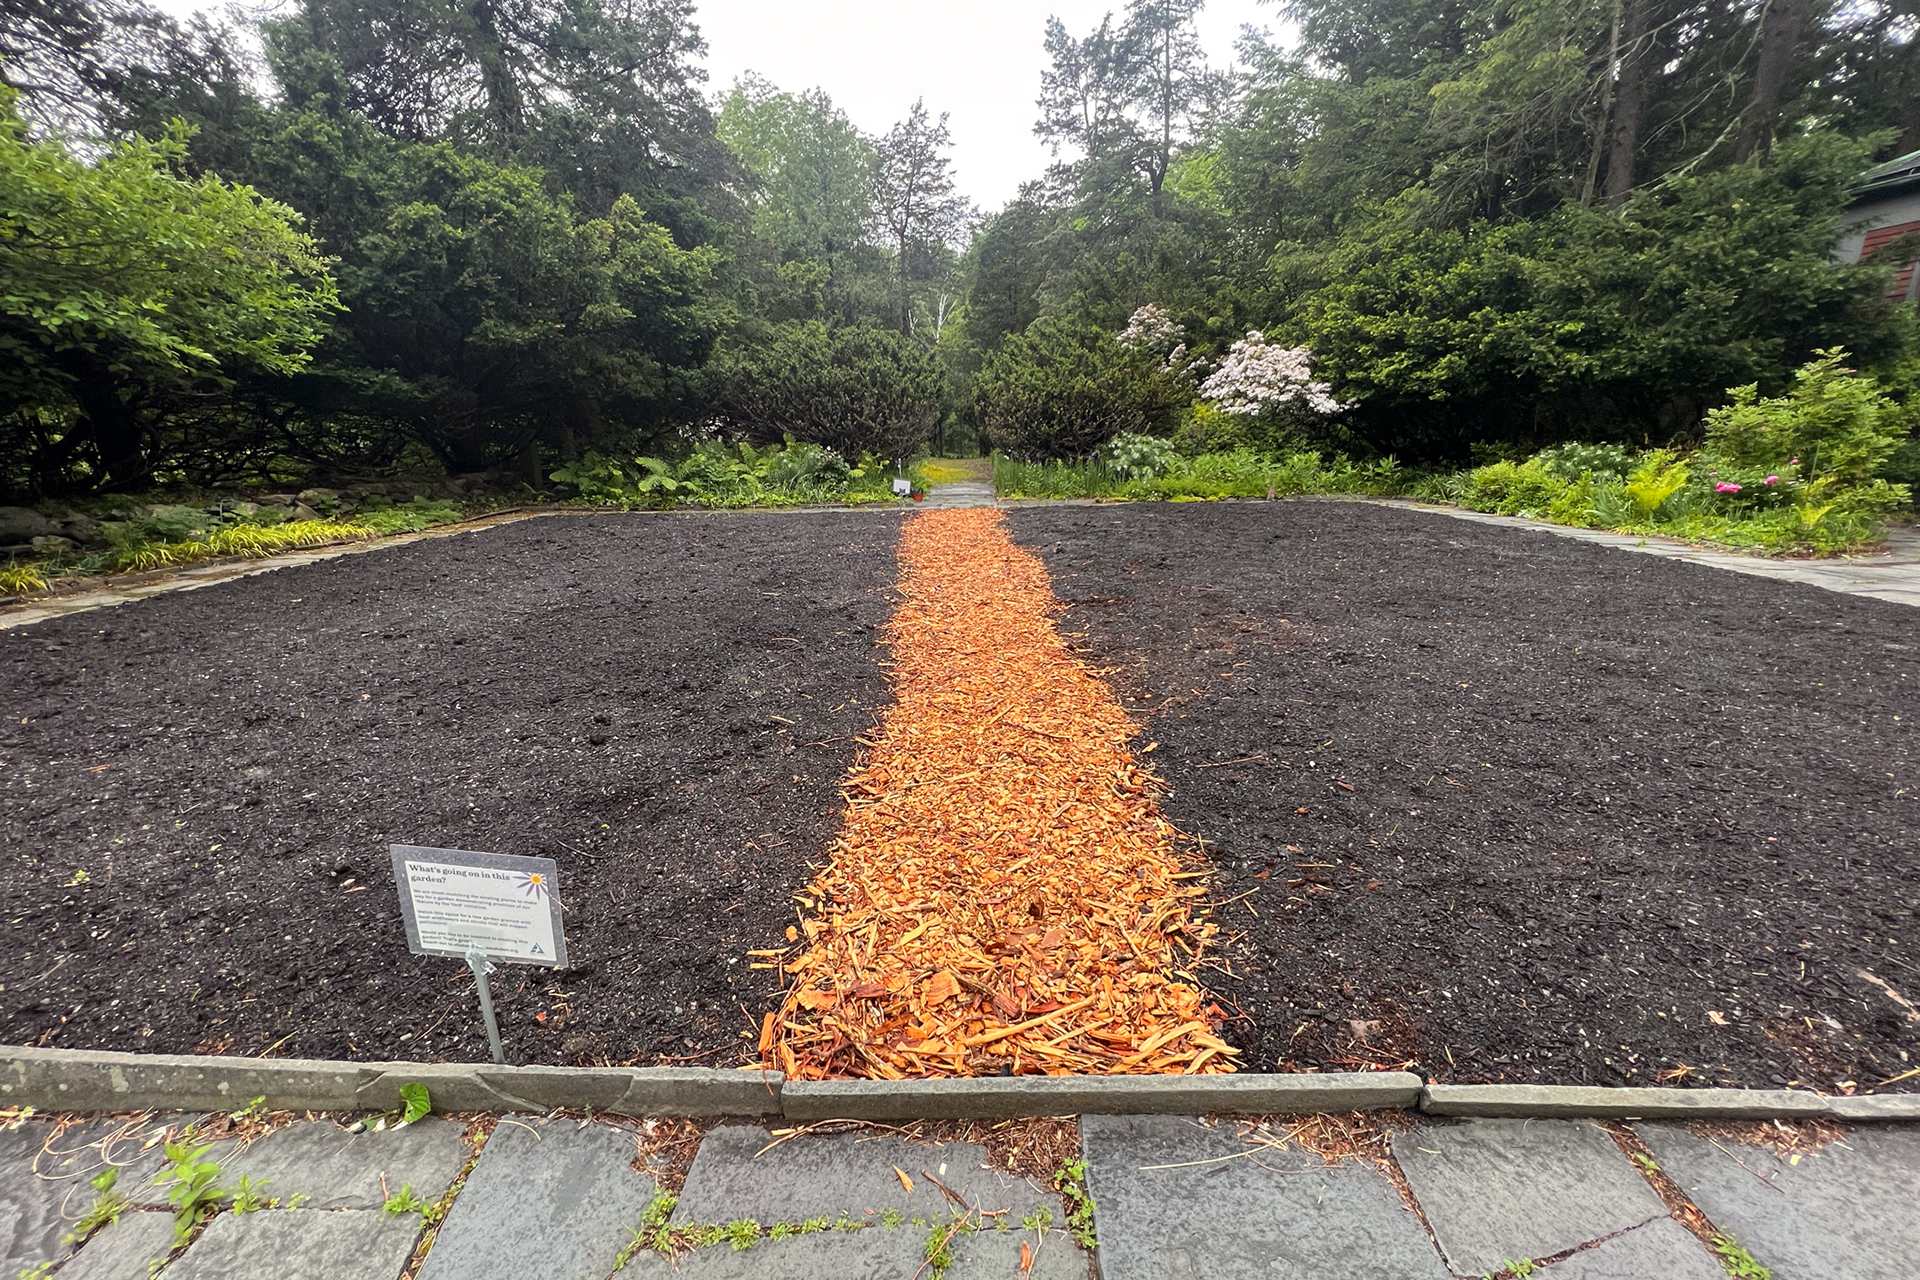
[(1257, 376), (1152, 329)]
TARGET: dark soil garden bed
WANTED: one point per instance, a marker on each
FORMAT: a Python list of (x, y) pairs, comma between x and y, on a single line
[(199, 788), (1514, 807)]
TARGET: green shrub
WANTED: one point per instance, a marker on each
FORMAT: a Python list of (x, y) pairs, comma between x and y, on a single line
[(1060, 391), (1137, 457), (1833, 423), (1513, 488), (854, 390)]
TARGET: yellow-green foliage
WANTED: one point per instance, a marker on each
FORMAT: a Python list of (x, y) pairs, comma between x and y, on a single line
[(1659, 476), (942, 471), (238, 540), (20, 580)]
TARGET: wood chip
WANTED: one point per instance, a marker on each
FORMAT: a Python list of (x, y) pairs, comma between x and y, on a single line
[(1005, 894)]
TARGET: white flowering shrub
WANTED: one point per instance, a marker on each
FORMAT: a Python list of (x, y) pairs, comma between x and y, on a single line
[(1152, 329), (1132, 456), (1258, 377)]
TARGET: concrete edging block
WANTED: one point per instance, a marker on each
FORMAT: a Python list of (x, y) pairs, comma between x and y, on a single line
[(89, 1080), (1599, 1101), (1000, 1097), (631, 1091), (1876, 1106)]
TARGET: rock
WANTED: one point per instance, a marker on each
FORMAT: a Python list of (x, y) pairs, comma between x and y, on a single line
[(277, 499), (322, 500), (83, 529), (301, 511), (23, 525), (54, 543)]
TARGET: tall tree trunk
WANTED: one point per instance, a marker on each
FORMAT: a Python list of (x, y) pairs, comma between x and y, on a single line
[(111, 421), (1629, 100), (503, 95), (1780, 24), (1603, 127), (1910, 118)]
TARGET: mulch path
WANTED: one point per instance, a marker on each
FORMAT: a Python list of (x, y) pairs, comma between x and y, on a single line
[(1506, 806), (1005, 897), (197, 790)]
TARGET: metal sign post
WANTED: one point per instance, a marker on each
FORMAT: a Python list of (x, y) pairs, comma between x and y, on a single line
[(481, 907)]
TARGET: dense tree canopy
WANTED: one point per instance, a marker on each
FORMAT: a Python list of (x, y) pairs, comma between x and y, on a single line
[(502, 235)]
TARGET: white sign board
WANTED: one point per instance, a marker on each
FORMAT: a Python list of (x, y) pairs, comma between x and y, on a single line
[(504, 906), (902, 487)]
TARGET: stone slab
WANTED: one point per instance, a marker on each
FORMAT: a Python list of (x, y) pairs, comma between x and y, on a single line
[(1268, 1216), (1848, 1212), (125, 1250), (96, 1080), (870, 1254), (340, 1170), (44, 1172), (300, 1244), (851, 1174), (1500, 1190), (1564, 1101), (1661, 1250), (1000, 1097), (547, 1201), (1877, 1106)]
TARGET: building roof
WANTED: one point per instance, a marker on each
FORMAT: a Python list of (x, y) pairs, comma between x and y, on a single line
[(1902, 173)]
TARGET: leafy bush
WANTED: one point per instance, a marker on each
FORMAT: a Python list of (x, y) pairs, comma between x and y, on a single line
[(1571, 461), (1833, 425), (1137, 457), (854, 390), (1512, 488), (1061, 391)]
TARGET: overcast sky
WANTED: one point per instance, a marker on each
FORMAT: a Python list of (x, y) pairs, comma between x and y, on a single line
[(977, 60)]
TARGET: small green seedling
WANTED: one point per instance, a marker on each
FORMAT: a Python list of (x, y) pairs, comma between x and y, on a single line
[(247, 1197), (1071, 1182), (1737, 1261), (406, 1200), (252, 1111), (193, 1184), (108, 1204)]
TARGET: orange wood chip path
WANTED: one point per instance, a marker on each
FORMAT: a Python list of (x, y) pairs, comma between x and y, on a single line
[(1005, 894)]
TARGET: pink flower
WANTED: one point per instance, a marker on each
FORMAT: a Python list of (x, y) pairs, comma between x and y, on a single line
[(1772, 480), (1724, 487)]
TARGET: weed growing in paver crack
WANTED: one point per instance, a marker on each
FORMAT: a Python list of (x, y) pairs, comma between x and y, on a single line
[(1737, 1261), (1517, 1270), (39, 1271), (194, 1189), (1071, 1183), (655, 1233), (891, 1218), (107, 1206), (406, 1200), (247, 1197)]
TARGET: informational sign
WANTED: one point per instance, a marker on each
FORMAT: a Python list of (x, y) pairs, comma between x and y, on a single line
[(500, 905), (902, 487)]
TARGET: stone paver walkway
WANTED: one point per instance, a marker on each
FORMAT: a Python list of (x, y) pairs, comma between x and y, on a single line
[(1178, 1197)]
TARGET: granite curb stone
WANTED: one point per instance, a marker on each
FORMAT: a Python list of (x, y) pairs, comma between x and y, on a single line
[(80, 1080), (1001, 1097), (1599, 1101)]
